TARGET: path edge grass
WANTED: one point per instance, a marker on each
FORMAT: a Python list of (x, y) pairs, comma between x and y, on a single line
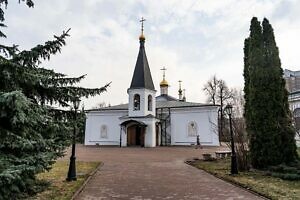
[(228, 180), (86, 181)]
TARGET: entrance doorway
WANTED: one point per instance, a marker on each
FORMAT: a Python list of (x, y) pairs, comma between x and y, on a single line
[(136, 136)]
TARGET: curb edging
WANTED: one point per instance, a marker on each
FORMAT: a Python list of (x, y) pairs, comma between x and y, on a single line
[(90, 175)]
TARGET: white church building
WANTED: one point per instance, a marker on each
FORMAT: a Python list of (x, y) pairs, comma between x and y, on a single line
[(149, 120)]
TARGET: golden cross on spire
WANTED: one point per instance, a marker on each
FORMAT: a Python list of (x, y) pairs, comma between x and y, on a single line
[(164, 70), (142, 22)]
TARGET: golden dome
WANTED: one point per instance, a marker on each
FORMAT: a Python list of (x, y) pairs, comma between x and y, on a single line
[(142, 37), (164, 83)]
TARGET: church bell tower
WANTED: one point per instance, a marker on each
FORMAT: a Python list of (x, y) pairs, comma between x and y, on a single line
[(141, 92), (142, 104)]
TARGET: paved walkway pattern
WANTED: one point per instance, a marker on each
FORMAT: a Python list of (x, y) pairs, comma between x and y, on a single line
[(153, 173)]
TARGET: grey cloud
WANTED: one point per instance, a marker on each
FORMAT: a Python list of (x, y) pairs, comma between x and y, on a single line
[(193, 39)]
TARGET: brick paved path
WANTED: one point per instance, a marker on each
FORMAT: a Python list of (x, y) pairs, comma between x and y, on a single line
[(153, 173)]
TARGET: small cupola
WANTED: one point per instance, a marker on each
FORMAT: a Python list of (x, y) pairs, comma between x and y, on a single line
[(164, 84)]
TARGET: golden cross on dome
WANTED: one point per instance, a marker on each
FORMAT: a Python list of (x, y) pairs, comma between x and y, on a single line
[(142, 22), (164, 70)]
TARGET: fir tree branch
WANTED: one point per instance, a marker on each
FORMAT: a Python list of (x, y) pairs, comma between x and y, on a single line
[(64, 95), (33, 57), (29, 3), (8, 51), (61, 81)]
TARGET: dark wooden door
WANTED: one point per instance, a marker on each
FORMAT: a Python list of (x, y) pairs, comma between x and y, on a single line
[(131, 136), (142, 137), (136, 136)]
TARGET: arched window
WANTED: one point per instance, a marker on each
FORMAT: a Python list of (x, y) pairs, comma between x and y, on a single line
[(150, 103), (103, 131), (192, 129), (136, 102)]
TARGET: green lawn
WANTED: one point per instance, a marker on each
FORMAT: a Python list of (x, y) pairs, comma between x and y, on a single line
[(60, 189), (271, 187)]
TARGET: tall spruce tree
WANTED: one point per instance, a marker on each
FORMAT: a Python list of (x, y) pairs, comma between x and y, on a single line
[(266, 106), (33, 132)]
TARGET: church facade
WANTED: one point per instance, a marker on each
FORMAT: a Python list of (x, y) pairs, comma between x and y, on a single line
[(149, 120)]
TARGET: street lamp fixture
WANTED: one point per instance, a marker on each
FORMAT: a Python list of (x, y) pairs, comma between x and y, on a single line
[(234, 169), (72, 167), (76, 103), (228, 109)]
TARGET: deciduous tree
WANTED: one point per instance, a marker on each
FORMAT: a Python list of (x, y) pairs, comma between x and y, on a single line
[(218, 93)]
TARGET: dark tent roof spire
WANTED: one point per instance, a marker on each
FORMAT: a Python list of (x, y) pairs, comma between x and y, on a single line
[(142, 76)]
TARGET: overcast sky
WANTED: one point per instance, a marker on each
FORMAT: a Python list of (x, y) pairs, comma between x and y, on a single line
[(193, 39)]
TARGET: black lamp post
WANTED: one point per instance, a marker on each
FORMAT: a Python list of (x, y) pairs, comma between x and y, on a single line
[(234, 169), (72, 166)]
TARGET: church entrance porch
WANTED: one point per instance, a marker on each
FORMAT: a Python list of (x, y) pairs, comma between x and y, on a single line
[(134, 133), (136, 136)]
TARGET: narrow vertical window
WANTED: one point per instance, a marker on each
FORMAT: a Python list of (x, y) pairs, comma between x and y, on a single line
[(103, 131), (192, 129), (150, 103), (136, 102)]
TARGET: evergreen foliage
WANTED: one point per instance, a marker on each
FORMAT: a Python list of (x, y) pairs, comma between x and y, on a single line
[(81, 118), (267, 112), (33, 132), (285, 172)]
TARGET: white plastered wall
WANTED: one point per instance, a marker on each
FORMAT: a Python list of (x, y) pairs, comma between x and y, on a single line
[(150, 133), (206, 120), (94, 121)]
